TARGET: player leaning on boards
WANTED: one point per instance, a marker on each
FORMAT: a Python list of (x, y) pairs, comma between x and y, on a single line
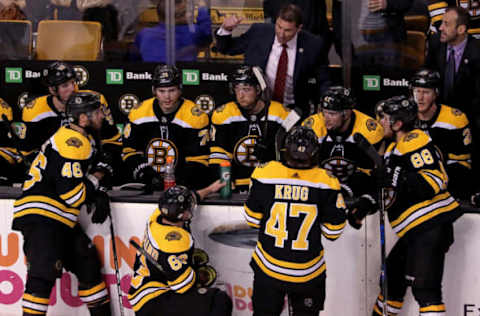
[(420, 210), (172, 277), (47, 211), (293, 203)]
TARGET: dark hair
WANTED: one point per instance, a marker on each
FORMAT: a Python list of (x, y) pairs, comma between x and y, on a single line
[(463, 17), (291, 13)]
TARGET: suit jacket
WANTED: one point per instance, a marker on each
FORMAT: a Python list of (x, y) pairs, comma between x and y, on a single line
[(311, 60), (466, 89)]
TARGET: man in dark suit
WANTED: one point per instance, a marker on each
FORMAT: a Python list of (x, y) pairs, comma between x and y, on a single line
[(460, 73), (295, 61)]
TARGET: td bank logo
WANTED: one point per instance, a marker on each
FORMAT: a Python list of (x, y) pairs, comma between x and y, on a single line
[(371, 83), (114, 76), (191, 77), (13, 75)]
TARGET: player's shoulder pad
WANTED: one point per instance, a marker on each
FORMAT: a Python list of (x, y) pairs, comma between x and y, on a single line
[(412, 141), (6, 110), (452, 118), (277, 109), (266, 169), (191, 115), (316, 122), (35, 108), (143, 111), (368, 127), (170, 239), (103, 100), (224, 113), (71, 144)]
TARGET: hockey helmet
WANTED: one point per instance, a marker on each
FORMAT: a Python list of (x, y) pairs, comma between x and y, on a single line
[(175, 202), (301, 146), (166, 76), (58, 73), (81, 102), (250, 75), (425, 78), (337, 98), (401, 108)]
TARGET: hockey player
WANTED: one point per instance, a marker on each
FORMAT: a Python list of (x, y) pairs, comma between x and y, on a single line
[(244, 131), (11, 163), (449, 129), (293, 203), (420, 210), (181, 288), (42, 117), (167, 125), (46, 212), (335, 124)]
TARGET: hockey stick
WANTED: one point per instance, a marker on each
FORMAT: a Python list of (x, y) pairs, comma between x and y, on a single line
[(117, 270), (147, 255), (363, 143)]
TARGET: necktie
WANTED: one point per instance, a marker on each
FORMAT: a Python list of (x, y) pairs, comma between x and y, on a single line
[(281, 77), (449, 74)]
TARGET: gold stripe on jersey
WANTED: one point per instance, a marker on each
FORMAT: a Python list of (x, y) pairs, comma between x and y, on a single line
[(393, 307), (435, 178), (45, 206), (219, 155), (244, 181), (288, 271), (95, 294), (331, 231), (464, 160), (253, 218), (422, 212), (184, 282), (200, 159), (129, 152), (474, 31), (276, 173), (438, 309), (175, 239), (115, 140), (76, 196), (6, 154), (412, 141), (71, 144), (147, 292), (35, 305)]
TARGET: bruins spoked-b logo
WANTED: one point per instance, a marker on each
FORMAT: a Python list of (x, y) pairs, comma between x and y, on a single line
[(157, 152), (244, 151), (82, 75), (127, 102), (340, 167), (206, 103)]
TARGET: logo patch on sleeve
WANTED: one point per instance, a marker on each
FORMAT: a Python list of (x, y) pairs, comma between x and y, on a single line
[(173, 235), (74, 141)]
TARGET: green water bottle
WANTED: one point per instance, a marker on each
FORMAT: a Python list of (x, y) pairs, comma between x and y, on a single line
[(226, 191)]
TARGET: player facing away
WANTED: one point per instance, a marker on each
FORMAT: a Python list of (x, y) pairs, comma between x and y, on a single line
[(293, 203)]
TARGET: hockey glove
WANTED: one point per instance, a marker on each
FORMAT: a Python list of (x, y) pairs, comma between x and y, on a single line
[(146, 175), (103, 163), (102, 206), (475, 199), (260, 151), (207, 275), (357, 212), (199, 258)]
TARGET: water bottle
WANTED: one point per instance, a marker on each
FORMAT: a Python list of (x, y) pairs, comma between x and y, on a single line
[(169, 175), (226, 191)]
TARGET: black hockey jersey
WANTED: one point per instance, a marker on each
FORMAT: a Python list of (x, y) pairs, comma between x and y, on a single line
[(172, 247), (8, 150), (151, 136), (41, 119), (293, 208), (56, 187), (450, 131), (421, 199), (340, 154), (437, 9), (234, 134)]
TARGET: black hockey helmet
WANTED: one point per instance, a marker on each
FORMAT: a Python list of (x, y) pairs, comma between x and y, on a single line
[(176, 201), (401, 108), (425, 78), (379, 109), (337, 98), (166, 76), (81, 102), (301, 147), (57, 73), (250, 75)]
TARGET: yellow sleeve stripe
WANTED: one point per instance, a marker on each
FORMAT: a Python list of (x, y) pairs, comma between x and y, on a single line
[(47, 200), (115, 138), (93, 290), (465, 164), (199, 159), (31, 311), (72, 192), (245, 181), (368, 172), (460, 157), (216, 149), (252, 213), (35, 299), (7, 157), (334, 227), (217, 161), (184, 282), (435, 178), (433, 308), (331, 237), (438, 5)]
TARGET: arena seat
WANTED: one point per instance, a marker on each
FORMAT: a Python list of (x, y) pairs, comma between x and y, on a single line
[(417, 23), (15, 39), (68, 40)]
